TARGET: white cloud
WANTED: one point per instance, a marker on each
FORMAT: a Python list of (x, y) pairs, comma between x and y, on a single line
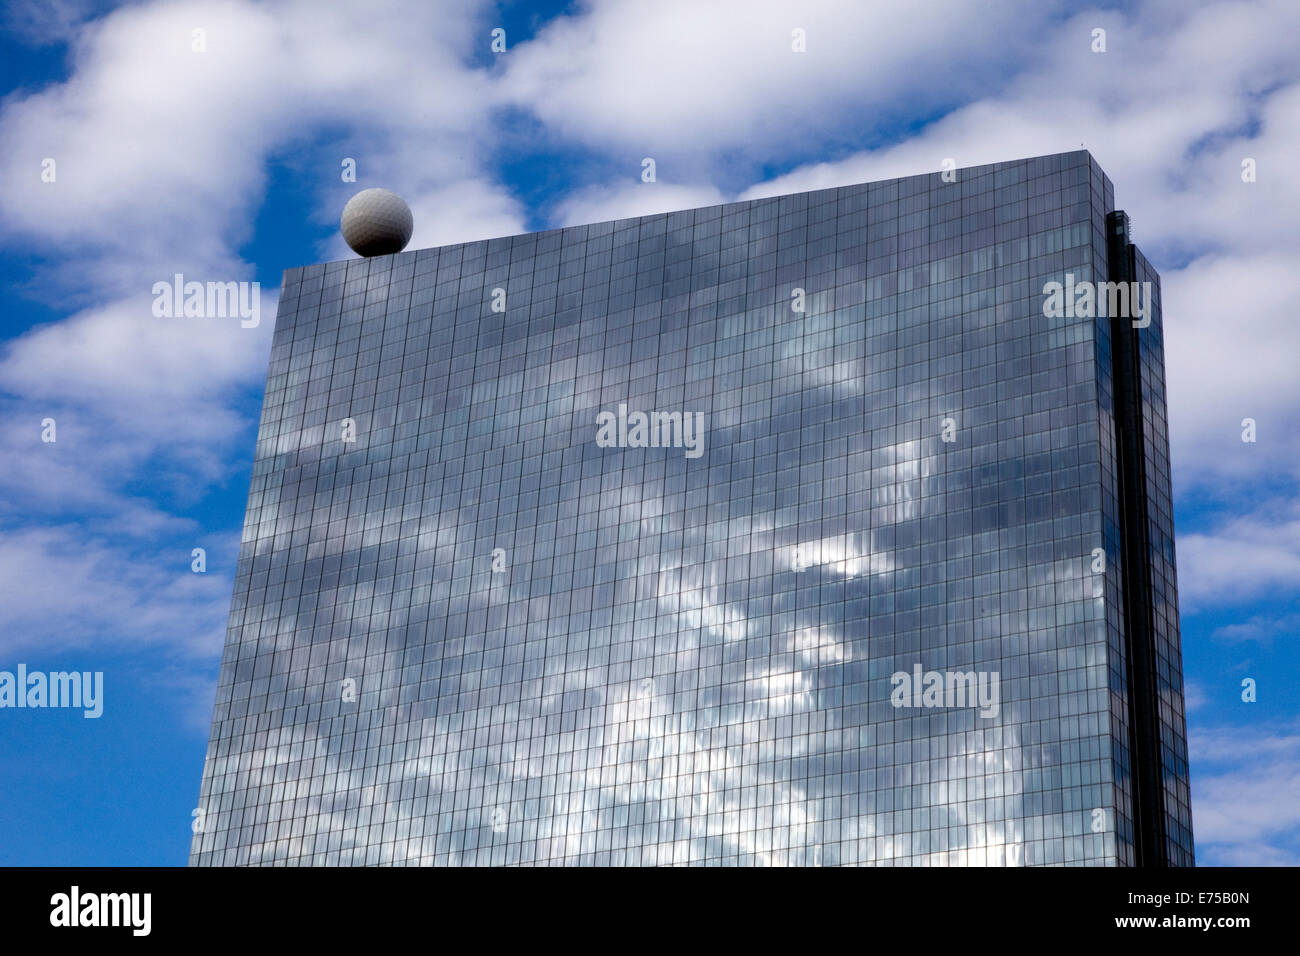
[(683, 78), (140, 402), (122, 353), (630, 199), (65, 588), (1241, 558), (1231, 353), (1247, 854), (1246, 796), (1260, 627), (155, 141)]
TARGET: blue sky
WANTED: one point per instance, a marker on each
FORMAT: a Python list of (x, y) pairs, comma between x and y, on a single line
[(225, 165)]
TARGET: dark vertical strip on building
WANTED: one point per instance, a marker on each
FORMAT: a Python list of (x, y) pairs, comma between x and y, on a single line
[(1139, 625)]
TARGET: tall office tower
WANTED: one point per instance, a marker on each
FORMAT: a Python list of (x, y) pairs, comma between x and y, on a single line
[(831, 528)]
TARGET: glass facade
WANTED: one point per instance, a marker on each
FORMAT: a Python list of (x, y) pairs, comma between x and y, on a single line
[(470, 628)]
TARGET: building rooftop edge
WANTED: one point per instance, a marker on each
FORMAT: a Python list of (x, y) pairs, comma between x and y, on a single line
[(413, 253)]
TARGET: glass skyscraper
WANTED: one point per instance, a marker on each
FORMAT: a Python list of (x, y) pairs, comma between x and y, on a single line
[(802, 530)]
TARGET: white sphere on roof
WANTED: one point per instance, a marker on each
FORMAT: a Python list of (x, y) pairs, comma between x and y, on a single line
[(376, 222)]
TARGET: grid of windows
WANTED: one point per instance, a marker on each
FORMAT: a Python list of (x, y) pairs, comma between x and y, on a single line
[(465, 632)]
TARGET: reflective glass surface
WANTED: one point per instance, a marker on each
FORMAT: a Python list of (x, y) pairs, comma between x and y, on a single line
[(476, 634)]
